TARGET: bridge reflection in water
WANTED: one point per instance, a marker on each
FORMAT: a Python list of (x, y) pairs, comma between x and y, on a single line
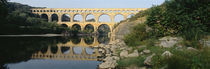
[(71, 50)]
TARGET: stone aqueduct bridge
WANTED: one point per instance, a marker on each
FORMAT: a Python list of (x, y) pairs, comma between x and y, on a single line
[(68, 56), (97, 12), (71, 55)]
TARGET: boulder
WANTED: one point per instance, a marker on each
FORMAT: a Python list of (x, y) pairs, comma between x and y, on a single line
[(108, 58), (148, 60), (124, 53), (134, 54), (191, 48), (146, 51), (101, 45), (167, 54), (101, 50), (168, 42), (108, 64), (116, 58)]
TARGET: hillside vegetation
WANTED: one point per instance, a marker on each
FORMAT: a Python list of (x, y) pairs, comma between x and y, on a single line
[(187, 19), (17, 19)]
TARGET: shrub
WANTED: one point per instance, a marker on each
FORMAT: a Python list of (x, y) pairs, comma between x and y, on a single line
[(138, 33)]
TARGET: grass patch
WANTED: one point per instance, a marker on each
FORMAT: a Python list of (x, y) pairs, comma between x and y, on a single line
[(131, 61)]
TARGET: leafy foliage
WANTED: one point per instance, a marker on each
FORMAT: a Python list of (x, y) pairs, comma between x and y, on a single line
[(20, 20), (188, 18)]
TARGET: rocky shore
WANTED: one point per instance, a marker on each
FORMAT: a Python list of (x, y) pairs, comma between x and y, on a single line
[(117, 50)]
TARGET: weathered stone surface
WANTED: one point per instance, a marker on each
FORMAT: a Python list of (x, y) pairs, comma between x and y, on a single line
[(108, 64), (192, 49), (167, 54), (101, 50), (146, 51), (141, 53), (108, 58), (124, 53), (169, 41), (134, 54), (116, 58), (148, 60), (101, 45), (124, 27)]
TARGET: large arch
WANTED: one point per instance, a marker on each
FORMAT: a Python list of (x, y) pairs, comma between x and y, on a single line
[(130, 15), (76, 40), (89, 50), (89, 28), (44, 49), (65, 50), (54, 49), (104, 29), (54, 17), (90, 18), (104, 18), (118, 18), (76, 27), (65, 18), (89, 40), (103, 39), (64, 25), (77, 50), (77, 18), (45, 17)]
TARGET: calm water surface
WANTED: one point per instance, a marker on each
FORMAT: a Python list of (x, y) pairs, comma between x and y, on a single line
[(51, 52)]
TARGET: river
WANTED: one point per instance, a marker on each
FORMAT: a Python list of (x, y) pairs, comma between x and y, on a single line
[(57, 52)]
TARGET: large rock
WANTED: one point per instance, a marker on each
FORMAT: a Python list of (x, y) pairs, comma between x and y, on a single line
[(108, 64), (124, 27), (169, 41), (124, 53), (134, 54), (167, 54), (148, 60), (191, 49), (101, 45), (146, 51)]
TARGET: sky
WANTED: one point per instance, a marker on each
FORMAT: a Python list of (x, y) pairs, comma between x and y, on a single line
[(91, 3)]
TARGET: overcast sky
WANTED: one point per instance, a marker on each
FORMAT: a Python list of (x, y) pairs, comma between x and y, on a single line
[(90, 3)]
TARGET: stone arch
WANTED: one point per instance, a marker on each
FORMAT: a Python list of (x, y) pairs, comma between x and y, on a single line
[(89, 40), (90, 18), (104, 29), (76, 26), (130, 15), (77, 50), (104, 18), (65, 18), (65, 50), (54, 17), (89, 50), (103, 39), (89, 28), (76, 40), (44, 49), (118, 18), (77, 18), (54, 49), (44, 16), (64, 25)]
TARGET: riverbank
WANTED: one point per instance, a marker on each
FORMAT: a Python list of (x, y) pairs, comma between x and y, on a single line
[(165, 54)]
